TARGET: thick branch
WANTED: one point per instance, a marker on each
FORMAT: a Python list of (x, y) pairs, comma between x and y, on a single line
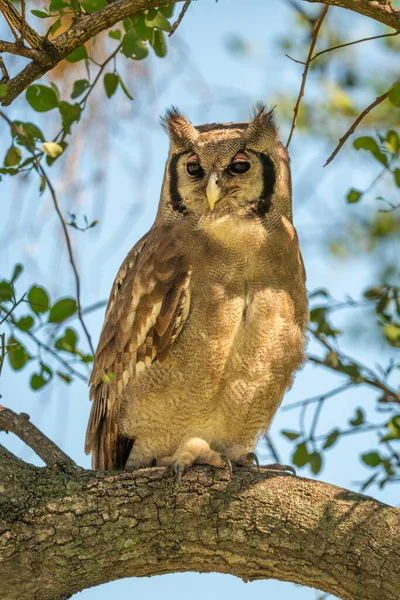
[(51, 454), (379, 10), (83, 29), (70, 531)]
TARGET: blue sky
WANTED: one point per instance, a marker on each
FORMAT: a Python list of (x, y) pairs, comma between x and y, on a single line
[(208, 83)]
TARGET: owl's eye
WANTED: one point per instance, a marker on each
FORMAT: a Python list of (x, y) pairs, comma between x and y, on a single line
[(194, 169), (239, 167)]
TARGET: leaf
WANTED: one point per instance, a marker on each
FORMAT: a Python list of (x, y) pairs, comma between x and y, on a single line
[(77, 55), (115, 34), (70, 113), (396, 174), (111, 81), (392, 141), (54, 27), (159, 45), (394, 95), (68, 341), (365, 142), (3, 89), (41, 98), (52, 149), (62, 309), (371, 459), (40, 14), (17, 354), (39, 380), (291, 435), (142, 30), (353, 196), (301, 455), (331, 439), (133, 46), (13, 157), (38, 299), (392, 335), (25, 323), (92, 6), (374, 293), (315, 462), (368, 482), (80, 86), (359, 419), (64, 377), (158, 22), (168, 10), (6, 291), (57, 5), (17, 272), (29, 134)]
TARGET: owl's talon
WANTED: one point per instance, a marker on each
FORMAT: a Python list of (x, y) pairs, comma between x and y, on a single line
[(253, 456), (228, 464), (282, 468), (178, 473)]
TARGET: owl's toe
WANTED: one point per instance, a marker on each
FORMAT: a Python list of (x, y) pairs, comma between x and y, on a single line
[(281, 468), (250, 459)]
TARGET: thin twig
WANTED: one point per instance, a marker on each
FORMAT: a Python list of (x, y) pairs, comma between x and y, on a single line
[(11, 309), (325, 396), (102, 67), (43, 173), (20, 425), (3, 69), (23, 26), (179, 19), (19, 50), (272, 449), (352, 129), (305, 72)]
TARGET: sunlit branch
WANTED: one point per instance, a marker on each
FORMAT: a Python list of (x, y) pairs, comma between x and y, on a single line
[(179, 19)]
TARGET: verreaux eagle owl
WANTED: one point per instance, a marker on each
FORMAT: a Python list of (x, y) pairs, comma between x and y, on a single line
[(206, 320)]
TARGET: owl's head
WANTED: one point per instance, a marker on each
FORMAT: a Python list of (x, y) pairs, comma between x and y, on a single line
[(226, 169)]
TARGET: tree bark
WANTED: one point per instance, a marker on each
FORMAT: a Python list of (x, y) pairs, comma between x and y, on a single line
[(379, 10), (62, 531)]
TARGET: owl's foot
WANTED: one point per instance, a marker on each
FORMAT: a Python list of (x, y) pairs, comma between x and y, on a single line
[(281, 468), (193, 451)]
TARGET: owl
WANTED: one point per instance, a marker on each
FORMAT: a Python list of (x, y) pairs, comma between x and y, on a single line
[(206, 321)]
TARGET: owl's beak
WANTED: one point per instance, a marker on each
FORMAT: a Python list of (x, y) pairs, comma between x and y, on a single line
[(213, 191)]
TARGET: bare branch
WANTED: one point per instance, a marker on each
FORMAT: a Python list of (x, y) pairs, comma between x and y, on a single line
[(179, 19), (4, 72), (15, 22), (305, 72), (379, 10), (20, 425), (43, 173), (356, 123), (20, 50)]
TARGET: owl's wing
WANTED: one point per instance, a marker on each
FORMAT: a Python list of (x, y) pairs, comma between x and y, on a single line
[(148, 306)]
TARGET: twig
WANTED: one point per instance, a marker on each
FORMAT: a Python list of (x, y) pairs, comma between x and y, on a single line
[(325, 396), (305, 72), (19, 50), (272, 449), (15, 22), (179, 19), (43, 173), (23, 26), (301, 12), (51, 454), (102, 67), (11, 309), (4, 72), (374, 37), (352, 129)]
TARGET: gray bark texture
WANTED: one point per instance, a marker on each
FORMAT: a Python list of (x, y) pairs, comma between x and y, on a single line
[(66, 529)]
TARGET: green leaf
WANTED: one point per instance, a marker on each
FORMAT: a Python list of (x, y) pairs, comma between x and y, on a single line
[(38, 299), (111, 81), (17, 272), (125, 89), (6, 291), (41, 97), (396, 174), (80, 86), (394, 95), (115, 34), (291, 435), (13, 157), (374, 293), (25, 323), (353, 196), (54, 27), (17, 354), (77, 55), (29, 133), (64, 377), (40, 14), (3, 89), (301, 455), (39, 380), (70, 113), (158, 22), (359, 418), (133, 46), (371, 459), (392, 141), (392, 335), (52, 149), (159, 45), (365, 142), (394, 429), (315, 462), (331, 439), (142, 30), (62, 309), (68, 341), (167, 11), (57, 5), (92, 6)]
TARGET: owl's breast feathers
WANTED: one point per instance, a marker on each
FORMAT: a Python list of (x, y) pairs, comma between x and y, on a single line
[(148, 306)]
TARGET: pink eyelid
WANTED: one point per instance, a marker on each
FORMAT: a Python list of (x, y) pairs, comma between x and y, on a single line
[(193, 158), (239, 157)]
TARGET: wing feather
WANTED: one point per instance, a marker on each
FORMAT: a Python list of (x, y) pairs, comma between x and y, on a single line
[(148, 306)]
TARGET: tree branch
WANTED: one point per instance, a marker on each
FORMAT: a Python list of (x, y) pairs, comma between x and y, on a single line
[(51, 454), (379, 10), (80, 529), (81, 30)]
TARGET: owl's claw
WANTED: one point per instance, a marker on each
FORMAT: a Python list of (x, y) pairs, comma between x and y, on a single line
[(282, 468), (228, 464), (253, 456), (178, 473)]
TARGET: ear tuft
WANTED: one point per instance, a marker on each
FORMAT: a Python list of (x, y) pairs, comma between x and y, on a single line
[(180, 130), (262, 127)]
